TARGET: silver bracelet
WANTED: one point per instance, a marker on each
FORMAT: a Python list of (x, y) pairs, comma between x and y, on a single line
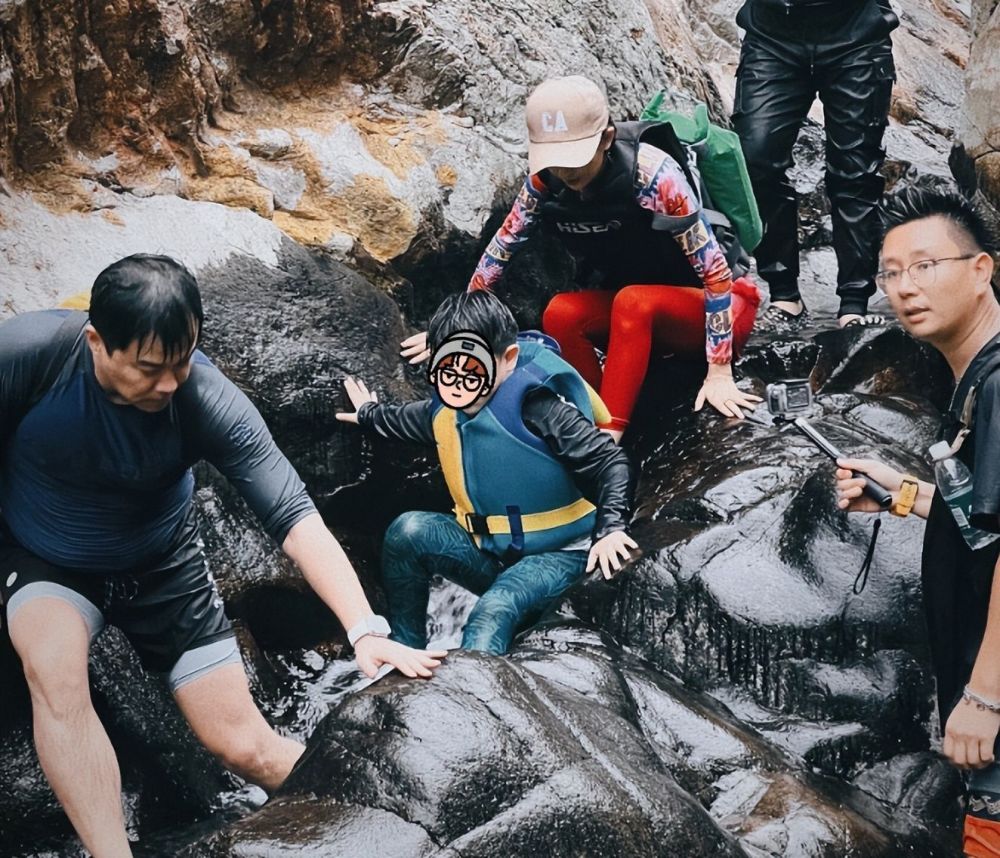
[(981, 702)]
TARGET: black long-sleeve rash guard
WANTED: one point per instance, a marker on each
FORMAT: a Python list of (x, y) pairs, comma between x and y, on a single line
[(89, 484)]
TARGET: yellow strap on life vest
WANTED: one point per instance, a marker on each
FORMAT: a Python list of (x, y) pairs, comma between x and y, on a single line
[(535, 521), (601, 414), (79, 301), (450, 453)]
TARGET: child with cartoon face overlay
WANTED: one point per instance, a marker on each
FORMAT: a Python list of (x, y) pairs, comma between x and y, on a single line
[(541, 495), (463, 369)]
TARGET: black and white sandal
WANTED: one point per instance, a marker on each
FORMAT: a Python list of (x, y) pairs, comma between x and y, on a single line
[(774, 320), (869, 320)]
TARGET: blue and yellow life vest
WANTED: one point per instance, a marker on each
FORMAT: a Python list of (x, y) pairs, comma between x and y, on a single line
[(511, 494)]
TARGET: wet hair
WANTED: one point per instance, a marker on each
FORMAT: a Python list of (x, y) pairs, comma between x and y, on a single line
[(144, 298), (969, 225), (480, 311)]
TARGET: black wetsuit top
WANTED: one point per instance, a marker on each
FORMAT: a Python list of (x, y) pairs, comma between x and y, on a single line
[(88, 484)]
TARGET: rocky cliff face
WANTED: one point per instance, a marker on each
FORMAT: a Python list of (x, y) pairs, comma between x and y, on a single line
[(401, 147), (145, 79), (980, 130), (329, 169)]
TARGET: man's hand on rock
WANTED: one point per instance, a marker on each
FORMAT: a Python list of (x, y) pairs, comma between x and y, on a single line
[(850, 489), (415, 348), (970, 734), (372, 652), (359, 394)]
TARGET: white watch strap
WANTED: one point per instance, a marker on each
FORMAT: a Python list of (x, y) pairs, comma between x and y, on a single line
[(371, 625)]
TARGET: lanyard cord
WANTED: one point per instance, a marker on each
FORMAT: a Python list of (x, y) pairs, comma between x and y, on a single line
[(862, 577)]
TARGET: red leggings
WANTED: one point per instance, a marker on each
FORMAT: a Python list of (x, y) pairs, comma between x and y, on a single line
[(980, 837), (628, 323)]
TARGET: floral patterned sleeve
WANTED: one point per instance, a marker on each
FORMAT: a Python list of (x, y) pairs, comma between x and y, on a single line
[(519, 226), (662, 188)]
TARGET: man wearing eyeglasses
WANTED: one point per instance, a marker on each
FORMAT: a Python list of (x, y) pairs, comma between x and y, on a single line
[(937, 265)]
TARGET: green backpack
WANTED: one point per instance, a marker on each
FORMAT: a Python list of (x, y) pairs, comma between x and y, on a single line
[(720, 163)]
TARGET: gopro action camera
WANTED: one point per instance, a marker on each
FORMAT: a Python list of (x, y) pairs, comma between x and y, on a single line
[(787, 397)]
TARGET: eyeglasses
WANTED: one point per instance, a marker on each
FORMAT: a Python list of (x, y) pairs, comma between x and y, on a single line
[(470, 381), (922, 273)]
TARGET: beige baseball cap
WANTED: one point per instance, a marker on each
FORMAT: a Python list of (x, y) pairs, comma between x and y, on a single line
[(566, 117)]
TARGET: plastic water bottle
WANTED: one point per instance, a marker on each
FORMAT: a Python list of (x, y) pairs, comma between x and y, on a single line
[(955, 484)]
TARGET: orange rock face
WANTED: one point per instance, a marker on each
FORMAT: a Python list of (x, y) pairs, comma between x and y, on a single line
[(145, 77)]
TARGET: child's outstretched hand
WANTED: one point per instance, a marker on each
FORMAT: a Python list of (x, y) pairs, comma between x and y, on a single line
[(609, 551), (415, 348), (359, 394)]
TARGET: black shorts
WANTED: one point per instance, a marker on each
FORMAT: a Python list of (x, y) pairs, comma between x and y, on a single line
[(167, 614)]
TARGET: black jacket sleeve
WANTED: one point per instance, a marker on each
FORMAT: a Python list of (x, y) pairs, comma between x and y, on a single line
[(410, 422), (598, 466)]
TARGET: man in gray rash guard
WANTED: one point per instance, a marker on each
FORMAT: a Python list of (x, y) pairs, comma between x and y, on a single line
[(101, 419)]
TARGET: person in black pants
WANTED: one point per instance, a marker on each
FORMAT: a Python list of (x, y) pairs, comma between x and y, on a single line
[(794, 50)]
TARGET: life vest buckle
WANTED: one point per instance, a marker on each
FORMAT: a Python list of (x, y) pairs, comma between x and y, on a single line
[(476, 524)]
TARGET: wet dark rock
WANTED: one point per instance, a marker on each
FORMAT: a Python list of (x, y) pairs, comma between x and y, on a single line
[(910, 423), (30, 816), (488, 763), (881, 361), (260, 585), (748, 567), (289, 336), (300, 827), (779, 359), (923, 784), (567, 748)]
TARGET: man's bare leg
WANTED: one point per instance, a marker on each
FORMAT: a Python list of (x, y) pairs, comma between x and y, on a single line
[(220, 710), (52, 640)]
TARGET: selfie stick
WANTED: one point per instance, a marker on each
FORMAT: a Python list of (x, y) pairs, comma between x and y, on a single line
[(876, 492)]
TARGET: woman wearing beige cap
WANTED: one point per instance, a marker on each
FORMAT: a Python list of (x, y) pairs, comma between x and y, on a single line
[(627, 209)]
